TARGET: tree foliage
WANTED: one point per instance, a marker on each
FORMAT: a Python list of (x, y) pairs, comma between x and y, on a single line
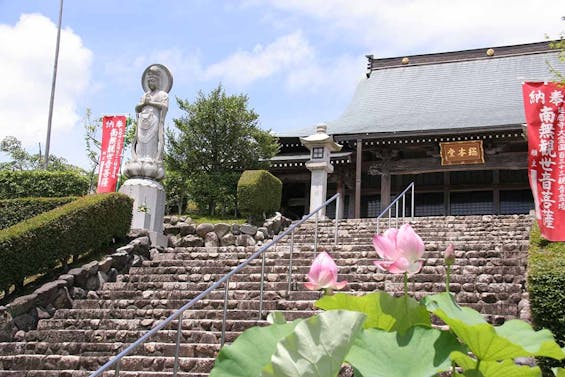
[(20, 159), (216, 139), (560, 46)]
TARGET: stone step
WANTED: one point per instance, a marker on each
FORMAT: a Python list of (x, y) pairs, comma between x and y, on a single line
[(199, 348), (234, 306), (91, 363), (83, 373), (193, 331)]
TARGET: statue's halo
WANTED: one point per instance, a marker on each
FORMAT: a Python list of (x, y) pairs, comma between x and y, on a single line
[(166, 78)]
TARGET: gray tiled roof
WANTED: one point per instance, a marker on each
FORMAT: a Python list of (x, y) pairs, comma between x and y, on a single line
[(451, 95)]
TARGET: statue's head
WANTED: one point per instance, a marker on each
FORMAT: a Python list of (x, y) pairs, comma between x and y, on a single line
[(154, 77)]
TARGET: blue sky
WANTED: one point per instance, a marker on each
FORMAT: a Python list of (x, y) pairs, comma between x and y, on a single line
[(298, 60)]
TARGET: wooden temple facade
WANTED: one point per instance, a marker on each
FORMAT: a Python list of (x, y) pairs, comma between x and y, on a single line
[(450, 122)]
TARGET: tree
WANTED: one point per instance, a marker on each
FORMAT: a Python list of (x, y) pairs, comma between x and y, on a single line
[(176, 190), (559, 45), (214, 142), (23, 160)]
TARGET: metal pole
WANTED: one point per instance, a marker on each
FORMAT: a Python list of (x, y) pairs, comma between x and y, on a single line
[(412, 202), (316, 235), (337, 203), (290, 262), (117, 370), (52, 99), (403, 206), (261, 286), (396, 210), (226, 288), (177, 349)]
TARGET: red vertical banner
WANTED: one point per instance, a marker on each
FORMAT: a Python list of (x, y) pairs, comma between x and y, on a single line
[(113, 133), (545, 114)]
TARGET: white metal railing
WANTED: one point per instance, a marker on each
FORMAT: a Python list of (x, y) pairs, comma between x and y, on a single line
[(387, 212), (178, 314)]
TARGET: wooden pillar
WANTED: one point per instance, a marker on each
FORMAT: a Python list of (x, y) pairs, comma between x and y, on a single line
[(307, 198), (358, 164), (496, 192), (385, 188), (446, 193), (340, 191)]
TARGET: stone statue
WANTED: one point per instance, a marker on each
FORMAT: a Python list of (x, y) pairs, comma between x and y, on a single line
[(149, 142)]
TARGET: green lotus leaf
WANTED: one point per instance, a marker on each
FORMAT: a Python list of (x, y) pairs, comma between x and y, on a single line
[(505, 368), (420, 351), (513, 339), (559, 372), (276, 318), (444, 304), (317, 346), (383, 311), (247, 355)]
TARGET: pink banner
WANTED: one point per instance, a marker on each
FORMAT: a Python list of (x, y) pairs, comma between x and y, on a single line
[(545, 114), (113, 132)]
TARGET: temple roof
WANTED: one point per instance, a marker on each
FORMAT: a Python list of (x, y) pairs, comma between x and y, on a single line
[(456, 90)]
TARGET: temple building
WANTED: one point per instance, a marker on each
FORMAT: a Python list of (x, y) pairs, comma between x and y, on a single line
[(452, 123)]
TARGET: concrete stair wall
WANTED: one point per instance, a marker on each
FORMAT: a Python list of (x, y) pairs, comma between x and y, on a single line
[(488, 275)]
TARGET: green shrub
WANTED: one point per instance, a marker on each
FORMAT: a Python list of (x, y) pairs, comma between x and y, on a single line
[(41, 183), (258, 193), (12, 211), (84, 225), (546, 286)]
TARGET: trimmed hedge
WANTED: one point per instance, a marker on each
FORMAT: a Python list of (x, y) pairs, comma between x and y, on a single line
[(546, 287), (258, 193), (12, 211), (41, 184), (85, 225)]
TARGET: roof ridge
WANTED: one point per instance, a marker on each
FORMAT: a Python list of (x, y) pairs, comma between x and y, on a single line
[(458, 56)]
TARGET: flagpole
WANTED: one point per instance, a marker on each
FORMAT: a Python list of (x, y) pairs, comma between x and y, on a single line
[(52, 100)]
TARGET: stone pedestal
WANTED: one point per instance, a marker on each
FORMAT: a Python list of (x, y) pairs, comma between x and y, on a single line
[(148, 207), (321, 145), (318, 185)]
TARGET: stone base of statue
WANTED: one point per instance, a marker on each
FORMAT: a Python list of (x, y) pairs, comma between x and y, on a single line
[(148, 207)]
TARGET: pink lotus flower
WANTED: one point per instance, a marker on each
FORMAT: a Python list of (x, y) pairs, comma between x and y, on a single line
[(401, 250), (449, 254), (323, 274)]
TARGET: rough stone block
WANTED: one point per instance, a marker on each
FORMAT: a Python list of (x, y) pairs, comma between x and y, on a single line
[(248, 229), (221, 229), (204, 228), (211, 240), (190, 241), (47, 292), (22, 304), (228, 240)]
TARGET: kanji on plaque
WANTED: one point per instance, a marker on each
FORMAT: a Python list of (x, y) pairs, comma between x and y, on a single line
[(462, 152), (113, 132), (545, 115)]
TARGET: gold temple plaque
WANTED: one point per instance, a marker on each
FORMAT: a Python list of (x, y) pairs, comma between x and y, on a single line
[(462, 152)]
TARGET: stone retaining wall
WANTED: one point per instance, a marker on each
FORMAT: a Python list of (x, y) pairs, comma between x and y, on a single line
[(24, 312)]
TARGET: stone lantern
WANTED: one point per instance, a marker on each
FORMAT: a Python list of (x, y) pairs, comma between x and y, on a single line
[(320, 146)]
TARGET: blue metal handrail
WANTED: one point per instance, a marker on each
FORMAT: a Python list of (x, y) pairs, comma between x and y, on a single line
[(395, 203), (115, 361)]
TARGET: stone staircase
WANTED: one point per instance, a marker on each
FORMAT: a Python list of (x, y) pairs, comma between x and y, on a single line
[(488, 275)]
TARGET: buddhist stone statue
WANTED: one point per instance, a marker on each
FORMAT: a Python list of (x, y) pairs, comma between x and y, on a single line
[(148, 145), (145, 169)]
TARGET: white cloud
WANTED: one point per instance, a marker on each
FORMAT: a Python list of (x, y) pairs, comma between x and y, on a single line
[(393, 27), (245, 67), (27, 51)]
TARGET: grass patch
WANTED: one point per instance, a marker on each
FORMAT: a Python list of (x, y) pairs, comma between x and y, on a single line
[(199, 219)]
